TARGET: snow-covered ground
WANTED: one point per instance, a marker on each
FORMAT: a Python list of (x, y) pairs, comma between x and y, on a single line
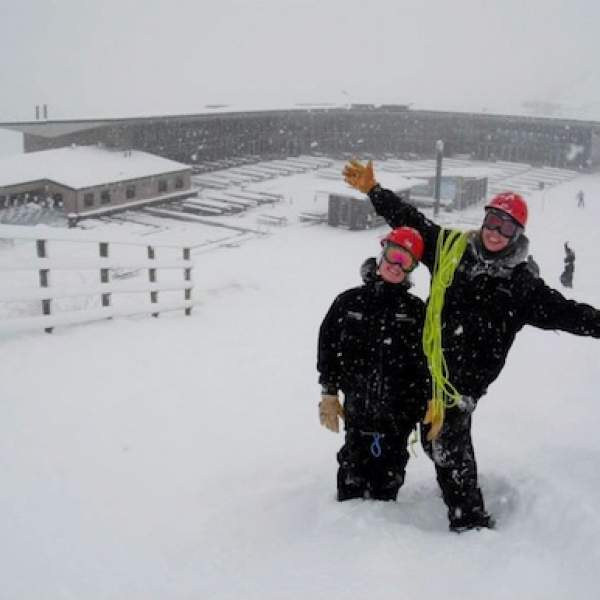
[(181, 457)]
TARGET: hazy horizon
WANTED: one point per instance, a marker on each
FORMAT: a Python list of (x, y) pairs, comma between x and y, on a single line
[(102, 59)]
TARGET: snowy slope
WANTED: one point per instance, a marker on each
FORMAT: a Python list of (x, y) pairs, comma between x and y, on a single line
[(182, 457)]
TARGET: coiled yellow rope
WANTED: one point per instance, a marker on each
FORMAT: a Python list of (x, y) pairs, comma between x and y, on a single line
[(448, 253)]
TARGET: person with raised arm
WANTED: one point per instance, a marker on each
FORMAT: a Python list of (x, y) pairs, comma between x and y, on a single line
[(484, 290)]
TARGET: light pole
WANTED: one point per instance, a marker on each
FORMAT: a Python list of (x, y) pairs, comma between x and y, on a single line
[(439, 155)]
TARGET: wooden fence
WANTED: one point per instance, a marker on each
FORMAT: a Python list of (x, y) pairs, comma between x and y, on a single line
[(104, 287)]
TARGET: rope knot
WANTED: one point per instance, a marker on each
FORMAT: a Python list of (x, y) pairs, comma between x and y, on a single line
[(375, 447)]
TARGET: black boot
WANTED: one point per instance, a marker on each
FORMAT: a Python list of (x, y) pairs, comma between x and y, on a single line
[(477, 519), (350, 493), (385, 494), (350, 486)]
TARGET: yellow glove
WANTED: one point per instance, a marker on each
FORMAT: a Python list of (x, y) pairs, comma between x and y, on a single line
[(360, 177), (330, 411), (434, 417)]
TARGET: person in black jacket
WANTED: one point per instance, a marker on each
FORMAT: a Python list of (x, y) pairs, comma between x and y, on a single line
[(370, 350), (566, 277), (493, 292)]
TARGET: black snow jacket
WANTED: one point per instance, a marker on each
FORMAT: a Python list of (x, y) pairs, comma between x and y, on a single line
[(370, 348), (492, 296)]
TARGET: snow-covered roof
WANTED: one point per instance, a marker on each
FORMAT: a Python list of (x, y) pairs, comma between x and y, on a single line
[(83, 166), (389, 180), (446, 172), (58, 127)]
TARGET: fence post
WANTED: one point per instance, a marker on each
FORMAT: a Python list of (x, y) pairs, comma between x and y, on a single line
[(152, 278), (44, 275), (439, 156), (105, 298), (187, 276)]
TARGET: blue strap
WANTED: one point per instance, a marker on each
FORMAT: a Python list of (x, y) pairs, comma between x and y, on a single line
[(375, 446)]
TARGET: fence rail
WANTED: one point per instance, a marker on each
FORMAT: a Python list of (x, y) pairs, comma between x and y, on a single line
[(104, 288)]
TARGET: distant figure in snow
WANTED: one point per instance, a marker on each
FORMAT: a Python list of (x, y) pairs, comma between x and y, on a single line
[(483, 292), (370, 350), (580, 199), (566, 277)]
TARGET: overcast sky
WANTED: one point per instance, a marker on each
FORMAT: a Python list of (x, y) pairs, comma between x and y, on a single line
[(88, 58)]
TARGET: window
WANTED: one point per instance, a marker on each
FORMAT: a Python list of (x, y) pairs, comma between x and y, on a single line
[(130, 192), (105, 197), (162, 185), (179, 183), (88, 199)]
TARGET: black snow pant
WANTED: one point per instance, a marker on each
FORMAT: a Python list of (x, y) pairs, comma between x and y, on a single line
[(454, 458), (372, 464)]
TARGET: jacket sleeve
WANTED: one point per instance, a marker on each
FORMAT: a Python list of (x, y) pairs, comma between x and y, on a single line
[(328, 355), (398, 213), (547, 308)]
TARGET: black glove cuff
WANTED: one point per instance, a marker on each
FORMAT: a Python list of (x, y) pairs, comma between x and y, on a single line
[(329, 389), (374, 190)]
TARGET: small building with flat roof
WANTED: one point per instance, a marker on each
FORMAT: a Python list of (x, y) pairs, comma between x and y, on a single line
[(351, 209), (89, 181), (460, 187)]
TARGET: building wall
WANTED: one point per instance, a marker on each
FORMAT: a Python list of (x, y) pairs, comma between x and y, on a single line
[(37, 191), (595, 151), (74, 201), (358, 131), (146, 188)]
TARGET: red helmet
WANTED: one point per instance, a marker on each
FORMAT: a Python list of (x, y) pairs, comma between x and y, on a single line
[(408, 238), (512, 204)]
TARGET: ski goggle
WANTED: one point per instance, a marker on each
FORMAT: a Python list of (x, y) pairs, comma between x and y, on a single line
[(505, 225), (396, 255)]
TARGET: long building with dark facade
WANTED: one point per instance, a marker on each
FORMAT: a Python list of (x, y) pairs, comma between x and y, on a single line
[(359, 130)]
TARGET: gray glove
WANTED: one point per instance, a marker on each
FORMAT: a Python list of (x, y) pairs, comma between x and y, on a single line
[(466, 404)]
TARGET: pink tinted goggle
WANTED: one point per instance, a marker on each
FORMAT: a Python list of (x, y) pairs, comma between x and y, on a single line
[(395, 255)]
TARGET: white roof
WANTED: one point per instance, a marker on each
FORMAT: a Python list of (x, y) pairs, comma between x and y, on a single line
[(83, 166), (446, 171), (388, 180)]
